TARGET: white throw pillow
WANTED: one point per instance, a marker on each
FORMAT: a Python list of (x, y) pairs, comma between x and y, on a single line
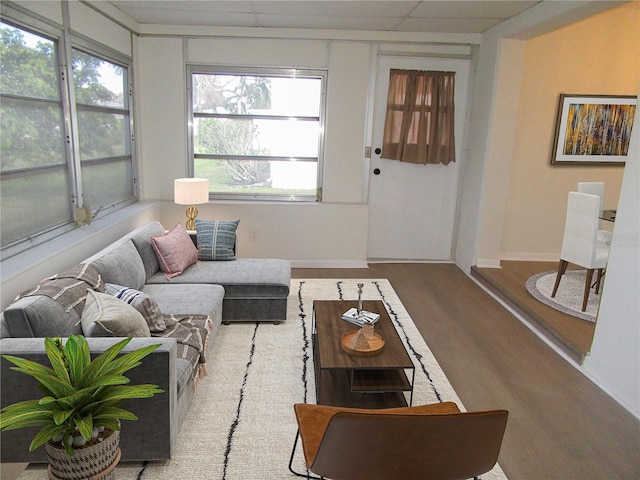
[(107, 316)]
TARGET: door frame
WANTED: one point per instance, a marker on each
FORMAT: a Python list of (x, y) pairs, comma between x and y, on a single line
[(377, 52)]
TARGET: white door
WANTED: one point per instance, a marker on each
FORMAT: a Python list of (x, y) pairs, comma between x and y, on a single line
[(412, 208)]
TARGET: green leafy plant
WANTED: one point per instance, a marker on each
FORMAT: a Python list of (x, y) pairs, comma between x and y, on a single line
[(81, 396)]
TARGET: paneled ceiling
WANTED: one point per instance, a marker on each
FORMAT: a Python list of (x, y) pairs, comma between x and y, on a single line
[(431, 16)]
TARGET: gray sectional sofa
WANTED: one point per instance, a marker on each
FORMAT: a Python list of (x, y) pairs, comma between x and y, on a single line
[(224, 291)]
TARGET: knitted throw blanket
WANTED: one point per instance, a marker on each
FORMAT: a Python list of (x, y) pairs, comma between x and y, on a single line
[(69, 288), (192, 335)]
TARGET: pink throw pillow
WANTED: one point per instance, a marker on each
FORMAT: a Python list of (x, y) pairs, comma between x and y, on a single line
[(175, 251)]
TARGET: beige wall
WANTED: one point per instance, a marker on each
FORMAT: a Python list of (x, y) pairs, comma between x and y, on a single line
[(600, 55)]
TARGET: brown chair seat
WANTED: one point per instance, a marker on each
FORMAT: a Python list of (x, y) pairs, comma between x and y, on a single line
[(423, 442)]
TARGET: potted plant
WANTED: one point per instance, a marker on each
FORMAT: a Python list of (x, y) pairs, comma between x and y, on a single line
[(80, 411)]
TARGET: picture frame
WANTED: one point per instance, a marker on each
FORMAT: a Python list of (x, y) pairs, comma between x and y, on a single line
[(593, 129)]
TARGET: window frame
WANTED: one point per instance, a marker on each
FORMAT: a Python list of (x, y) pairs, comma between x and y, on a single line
[(65, 43), (116, 58), (194, 69)]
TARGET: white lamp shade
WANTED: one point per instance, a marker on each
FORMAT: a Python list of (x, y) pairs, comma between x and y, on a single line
[(190, 191)]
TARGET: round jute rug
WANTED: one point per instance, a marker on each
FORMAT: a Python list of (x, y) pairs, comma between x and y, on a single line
[(569, 296)]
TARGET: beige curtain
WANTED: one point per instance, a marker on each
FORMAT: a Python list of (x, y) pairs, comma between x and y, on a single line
[(419, 124)]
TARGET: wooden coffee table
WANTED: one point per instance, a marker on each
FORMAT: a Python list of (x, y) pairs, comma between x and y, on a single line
[(352, 381)]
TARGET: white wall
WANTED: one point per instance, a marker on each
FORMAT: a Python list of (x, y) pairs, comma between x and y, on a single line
[(614, 360), (331, 233), (334, 231), (160, 88), (307, 234)]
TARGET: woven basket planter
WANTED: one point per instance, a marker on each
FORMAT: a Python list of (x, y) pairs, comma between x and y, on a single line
[(95, 462)]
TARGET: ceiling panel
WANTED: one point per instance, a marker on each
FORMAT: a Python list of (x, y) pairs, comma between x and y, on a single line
[(447, 25), (450, 16), (328, 23), (471, 9), (375, 8)]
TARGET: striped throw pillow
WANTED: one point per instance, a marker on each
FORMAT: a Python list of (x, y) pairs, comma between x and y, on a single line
[(216, 239), (142, 302)]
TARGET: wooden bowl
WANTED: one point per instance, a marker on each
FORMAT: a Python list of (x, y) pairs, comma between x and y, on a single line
[(376, 344)]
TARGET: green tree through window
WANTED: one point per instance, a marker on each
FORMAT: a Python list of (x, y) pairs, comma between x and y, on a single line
[(37, 193), (257, 134)]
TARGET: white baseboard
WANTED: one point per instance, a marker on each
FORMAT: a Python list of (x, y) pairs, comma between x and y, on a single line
[(406, 260), (488, 263), (531, 257), (517, 257), (329, 264)]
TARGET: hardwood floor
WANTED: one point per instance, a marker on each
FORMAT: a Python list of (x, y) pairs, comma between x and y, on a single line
[(561, 425), (572, 335)]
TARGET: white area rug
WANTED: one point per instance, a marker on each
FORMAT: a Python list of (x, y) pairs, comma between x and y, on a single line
[(241, 423), (570, 293)]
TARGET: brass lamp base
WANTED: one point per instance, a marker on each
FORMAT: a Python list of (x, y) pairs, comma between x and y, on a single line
[(192, 213)]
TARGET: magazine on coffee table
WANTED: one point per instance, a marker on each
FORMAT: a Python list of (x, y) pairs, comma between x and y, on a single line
[(351, 315)]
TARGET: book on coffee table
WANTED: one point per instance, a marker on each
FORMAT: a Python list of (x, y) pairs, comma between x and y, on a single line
[(351, 315)]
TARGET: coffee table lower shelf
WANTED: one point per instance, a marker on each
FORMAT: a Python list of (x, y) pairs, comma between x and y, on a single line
[(366, 388), (334, 389), (376, 381)]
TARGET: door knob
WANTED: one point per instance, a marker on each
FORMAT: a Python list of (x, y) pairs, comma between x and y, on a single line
[(376, 171), (378, 151)]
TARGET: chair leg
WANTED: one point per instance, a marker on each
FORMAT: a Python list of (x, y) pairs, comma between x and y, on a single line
[(293, 452), (587, 288), (599, 279), (562, 267)]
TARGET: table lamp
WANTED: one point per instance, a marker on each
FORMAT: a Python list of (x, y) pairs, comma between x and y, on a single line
[(191, 191)]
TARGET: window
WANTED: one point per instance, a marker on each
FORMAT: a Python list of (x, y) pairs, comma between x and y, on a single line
[(102, 105), (66, 135), (258, 134), (35, 180)]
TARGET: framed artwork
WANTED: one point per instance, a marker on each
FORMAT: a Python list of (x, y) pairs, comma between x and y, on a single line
[(593, 129)]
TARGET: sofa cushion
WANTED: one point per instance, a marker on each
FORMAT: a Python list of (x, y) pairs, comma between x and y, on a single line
[(122, 266), (216, 239), (243, 278), (107, 316), (175, 251), (142, 302), (187, 299), (141, 238)]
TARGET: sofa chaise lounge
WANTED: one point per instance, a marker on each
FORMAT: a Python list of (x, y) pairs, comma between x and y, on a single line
[(218, 291)]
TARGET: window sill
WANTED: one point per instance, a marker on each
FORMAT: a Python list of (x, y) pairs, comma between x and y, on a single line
[(18, 272)]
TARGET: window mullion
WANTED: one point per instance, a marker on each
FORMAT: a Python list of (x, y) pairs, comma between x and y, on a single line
[(213, 156), (249, 116), (71, 122)]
